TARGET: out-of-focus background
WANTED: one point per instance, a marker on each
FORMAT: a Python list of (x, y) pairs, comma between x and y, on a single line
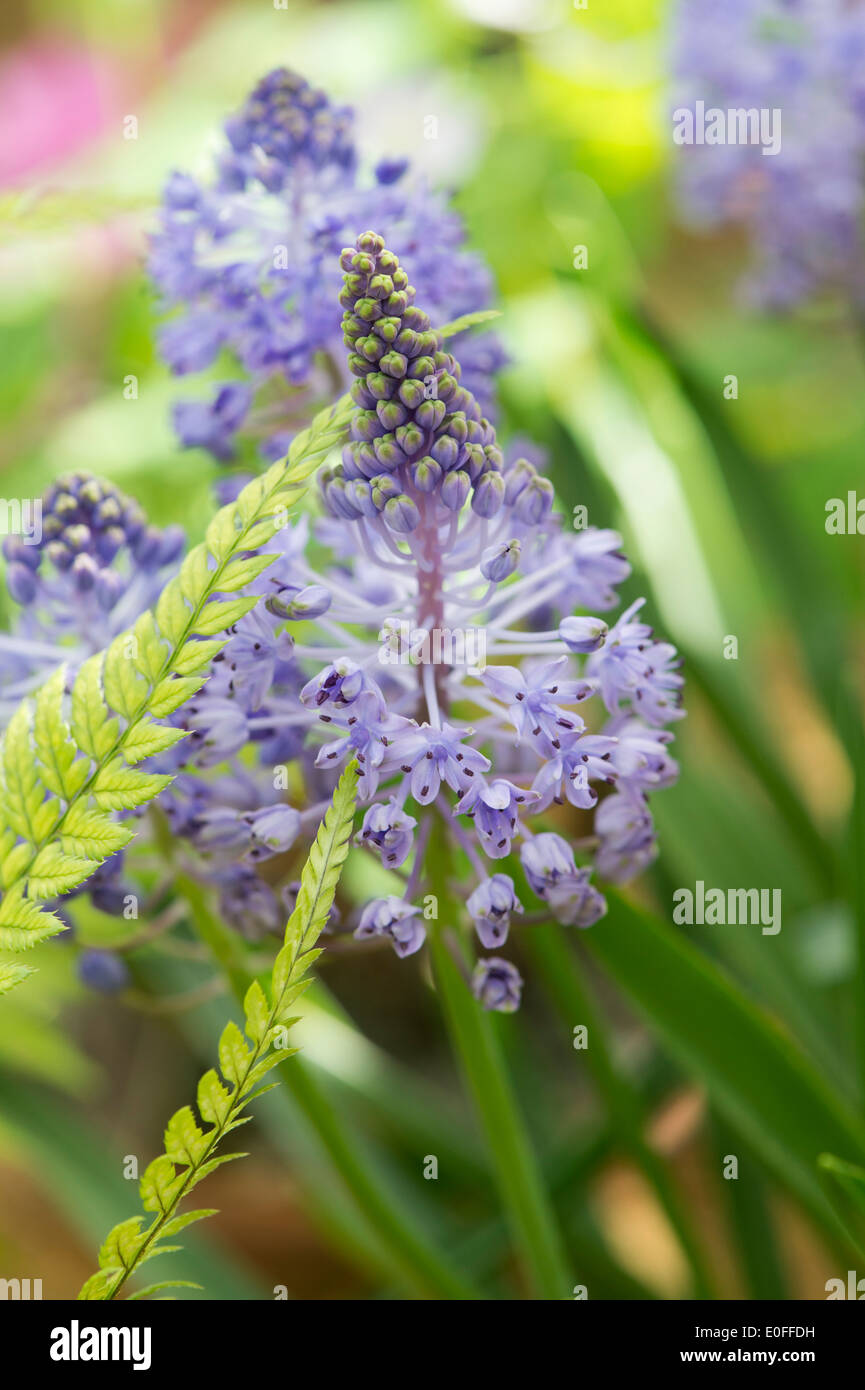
[(553, 129)]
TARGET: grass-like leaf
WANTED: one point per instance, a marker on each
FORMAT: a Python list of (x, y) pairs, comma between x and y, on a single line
[(757, 1077), (245, 1059), (845, 1189), (68, 759)]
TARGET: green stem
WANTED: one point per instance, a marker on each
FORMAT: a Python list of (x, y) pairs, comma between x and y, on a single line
[(414, 1259), (479, 1054), (564, 979)]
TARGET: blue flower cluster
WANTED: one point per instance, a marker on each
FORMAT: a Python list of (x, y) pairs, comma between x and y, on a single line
[(248, 265), (86, 572), (431, 537), (94, 565), (802, 202)]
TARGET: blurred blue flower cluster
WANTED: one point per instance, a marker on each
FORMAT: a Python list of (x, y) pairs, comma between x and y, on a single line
[(801, 206), (248, 265)]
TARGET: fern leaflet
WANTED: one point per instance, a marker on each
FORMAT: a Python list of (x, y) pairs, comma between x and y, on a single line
[(245, 1059), (68, 758)]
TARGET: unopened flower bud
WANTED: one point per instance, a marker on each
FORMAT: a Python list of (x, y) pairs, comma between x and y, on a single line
[(455, 489), (401, 514), (499, 561), (535, 502), (489, 495), (583, 634)]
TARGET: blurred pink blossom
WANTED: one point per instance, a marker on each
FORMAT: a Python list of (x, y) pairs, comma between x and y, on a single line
[(54, 99)]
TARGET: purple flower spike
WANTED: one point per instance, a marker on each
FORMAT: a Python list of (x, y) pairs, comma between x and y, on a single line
[(794, 182), (248, 262)]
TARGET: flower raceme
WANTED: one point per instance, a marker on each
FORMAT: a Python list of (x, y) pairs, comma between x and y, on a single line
[(247, 264), (95, 567), (95, 563), (426, 524)]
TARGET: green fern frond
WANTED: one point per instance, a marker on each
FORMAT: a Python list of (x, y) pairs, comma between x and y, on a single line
[(69, 758), (245, 1059), (11, 974), (465, 321), (43, 212)]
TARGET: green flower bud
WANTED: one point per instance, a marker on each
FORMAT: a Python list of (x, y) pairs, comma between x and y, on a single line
[(393, 364), (411, 393), (392, 415), (381, 386), (430, 414), (410, 438)]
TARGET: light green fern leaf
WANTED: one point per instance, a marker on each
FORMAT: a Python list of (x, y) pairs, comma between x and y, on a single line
[(68, 758), (472, 320), (244, 1059), (43, 213), (314, 900), (11, 974)]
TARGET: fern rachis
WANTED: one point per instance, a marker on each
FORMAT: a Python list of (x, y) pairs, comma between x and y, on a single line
[(244, 1062)]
